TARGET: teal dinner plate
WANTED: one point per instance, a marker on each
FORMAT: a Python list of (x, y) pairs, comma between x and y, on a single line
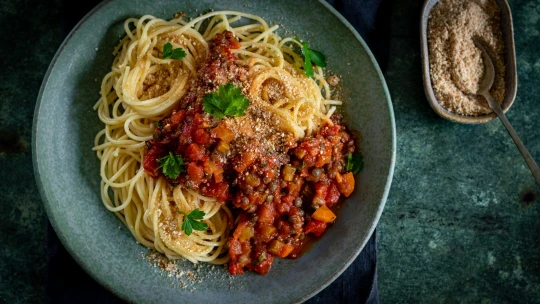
[(67, 170)]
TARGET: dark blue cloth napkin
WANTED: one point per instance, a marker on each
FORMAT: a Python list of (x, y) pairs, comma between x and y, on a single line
[(68, 283)]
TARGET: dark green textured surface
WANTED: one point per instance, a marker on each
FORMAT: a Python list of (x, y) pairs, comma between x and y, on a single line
[(27, 45), (461, 223)]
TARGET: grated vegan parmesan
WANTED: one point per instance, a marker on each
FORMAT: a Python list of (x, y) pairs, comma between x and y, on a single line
[(456, 64)]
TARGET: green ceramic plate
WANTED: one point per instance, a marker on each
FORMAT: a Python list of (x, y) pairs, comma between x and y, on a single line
[(67, 169)]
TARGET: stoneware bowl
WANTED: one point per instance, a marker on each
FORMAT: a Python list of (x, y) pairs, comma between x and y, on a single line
[(67, 170), (510, 76)]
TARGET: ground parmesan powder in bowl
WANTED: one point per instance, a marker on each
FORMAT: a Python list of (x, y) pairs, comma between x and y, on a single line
[(453, 65), (456, 63)]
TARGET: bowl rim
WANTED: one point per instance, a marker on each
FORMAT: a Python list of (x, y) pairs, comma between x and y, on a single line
[(89, 270), (511, 81)]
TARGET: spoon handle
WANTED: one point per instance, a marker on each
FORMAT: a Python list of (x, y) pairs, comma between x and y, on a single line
[(524, 152)]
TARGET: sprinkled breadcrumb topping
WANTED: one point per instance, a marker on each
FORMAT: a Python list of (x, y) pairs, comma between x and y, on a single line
[(188, 276)]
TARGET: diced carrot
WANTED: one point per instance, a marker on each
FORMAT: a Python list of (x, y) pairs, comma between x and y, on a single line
[(285, 251), (280, 249), (324, 214), (246, 159), (346, 187), (222, 133)]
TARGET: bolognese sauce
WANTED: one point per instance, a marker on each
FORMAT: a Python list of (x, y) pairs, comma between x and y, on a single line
[(282, 189)]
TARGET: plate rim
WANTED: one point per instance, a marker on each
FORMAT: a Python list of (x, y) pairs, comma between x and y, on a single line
[(118, 292)]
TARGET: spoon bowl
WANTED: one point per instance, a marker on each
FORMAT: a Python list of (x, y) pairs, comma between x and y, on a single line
[(489, 69)]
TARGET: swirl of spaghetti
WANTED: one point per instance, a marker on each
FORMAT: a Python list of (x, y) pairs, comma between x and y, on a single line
[(142, 88)]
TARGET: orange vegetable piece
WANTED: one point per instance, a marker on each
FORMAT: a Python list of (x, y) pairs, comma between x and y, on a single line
[(247, 158), (280, 249), (324, 214), (286, 250), (346, 186), (222, 133)]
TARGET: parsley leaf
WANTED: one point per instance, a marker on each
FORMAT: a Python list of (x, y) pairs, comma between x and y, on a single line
[(168, 52), (172, 165), (317, 58), (355, 162), (192, 221), (228, 101), (311, 57)]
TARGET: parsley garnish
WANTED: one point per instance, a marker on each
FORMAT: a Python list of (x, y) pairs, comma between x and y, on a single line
[(311, 57), (355, 162), (192, 221), (168, 52), (228, 101), (172, 165)]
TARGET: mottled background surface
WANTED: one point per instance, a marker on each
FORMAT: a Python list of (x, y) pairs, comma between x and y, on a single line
[(461, 222)]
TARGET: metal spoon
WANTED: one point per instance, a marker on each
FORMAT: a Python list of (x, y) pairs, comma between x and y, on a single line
[(485, 86)]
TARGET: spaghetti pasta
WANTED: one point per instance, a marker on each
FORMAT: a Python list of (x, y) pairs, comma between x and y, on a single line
[(142, 89)]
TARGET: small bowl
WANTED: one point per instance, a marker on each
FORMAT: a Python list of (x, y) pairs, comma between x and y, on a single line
[(510, 76)]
